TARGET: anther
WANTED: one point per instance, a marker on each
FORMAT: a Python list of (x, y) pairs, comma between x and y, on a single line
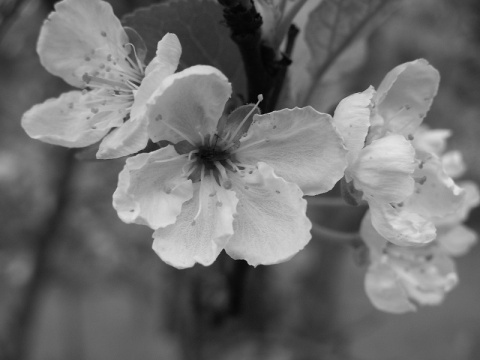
[(420, 180), (260, 99)]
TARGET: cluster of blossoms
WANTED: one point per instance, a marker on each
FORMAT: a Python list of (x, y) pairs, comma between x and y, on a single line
[(414, 223), (236, 182)]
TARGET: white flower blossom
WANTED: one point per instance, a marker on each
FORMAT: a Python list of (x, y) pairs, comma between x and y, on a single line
[(85, 44), (406, 187), (232, 183)]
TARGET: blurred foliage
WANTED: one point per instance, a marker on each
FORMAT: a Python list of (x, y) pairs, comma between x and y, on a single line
[(108, 296)]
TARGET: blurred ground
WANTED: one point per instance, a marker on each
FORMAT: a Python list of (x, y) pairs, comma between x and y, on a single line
[(109, 297)]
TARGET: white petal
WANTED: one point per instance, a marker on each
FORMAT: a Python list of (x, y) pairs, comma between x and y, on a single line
[(458, 240), (78, 37), (431, 141), (426, 273), (188, 105), (405, 96), (271, 225), (301, 145), (453, 164), (400, 226), (66, 121), (163, 64), (470, 201), (202, 229), (436, 195), (151, 188), (385, 290), (129, 138), (352, 120), (384, 168)]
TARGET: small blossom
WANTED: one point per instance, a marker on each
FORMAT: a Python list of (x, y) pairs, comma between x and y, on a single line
[(233, 183), (85, 44), (400, 277), (405, 186)]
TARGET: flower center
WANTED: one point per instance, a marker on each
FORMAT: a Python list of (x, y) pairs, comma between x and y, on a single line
[(211, 159), (117, 76)]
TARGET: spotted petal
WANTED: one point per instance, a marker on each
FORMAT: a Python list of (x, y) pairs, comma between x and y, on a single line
[(385, 290), (77, 38), (271, 225), (201, 230), (383, 169), (151, 188), (405, 95), (188, 105), (431, 140), (301, 145), (436, 194), (401, 226), (352, 121), (162, 65), (129, 138), (68, 121)]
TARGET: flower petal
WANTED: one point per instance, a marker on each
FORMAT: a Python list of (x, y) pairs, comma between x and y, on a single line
[(188, 105), (151, 188), (431, 140), (383, 169), (77, 38), (401, 226), (128, 139), (436, 194), (202, 229), (271, 225), (405, 95), (453, 164), (427, 274), (352, 120), (66, 121), (162, 65), (385, 290), (457, 240), (301, 145), (470, 201)]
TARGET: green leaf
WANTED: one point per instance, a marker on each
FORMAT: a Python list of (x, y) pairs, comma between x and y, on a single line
[(199, 26), (326, 54)]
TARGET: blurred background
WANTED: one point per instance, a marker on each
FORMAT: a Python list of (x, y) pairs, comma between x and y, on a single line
[(76, 283)]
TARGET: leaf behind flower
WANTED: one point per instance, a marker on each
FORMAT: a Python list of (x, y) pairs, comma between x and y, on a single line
[(199, 25)]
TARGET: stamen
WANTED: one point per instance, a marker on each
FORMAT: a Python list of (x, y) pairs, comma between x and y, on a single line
[(221, 169), (202, 185), (230, 138), (115, 84), (232, 164), (191, 153), (249, 145), (226, 182), (139, 63)]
